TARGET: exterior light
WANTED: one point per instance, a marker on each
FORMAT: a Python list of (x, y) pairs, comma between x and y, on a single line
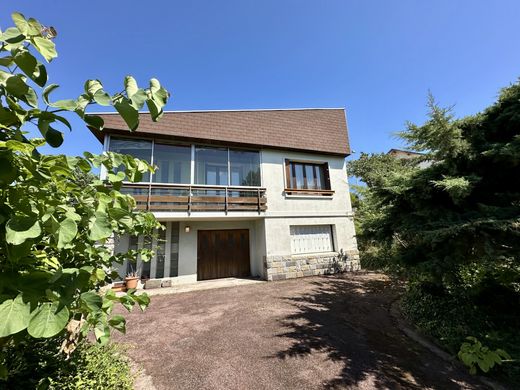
[(187, 229)]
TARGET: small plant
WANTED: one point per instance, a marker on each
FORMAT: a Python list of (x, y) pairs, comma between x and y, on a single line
[(472, 353)]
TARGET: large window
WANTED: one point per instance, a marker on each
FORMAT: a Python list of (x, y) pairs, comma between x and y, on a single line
[(173, 164), (141, 149), (214, 166), (307, 175), (311, 239), (244, 168), (211, 166)]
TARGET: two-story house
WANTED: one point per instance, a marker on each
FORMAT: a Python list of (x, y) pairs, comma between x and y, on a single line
[(261, 193)]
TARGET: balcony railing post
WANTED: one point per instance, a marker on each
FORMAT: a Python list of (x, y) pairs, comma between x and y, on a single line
[(258, 193), (189, 200), (226, 200), (148, 201)]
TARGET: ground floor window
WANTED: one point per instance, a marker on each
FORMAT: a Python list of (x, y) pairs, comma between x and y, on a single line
[(165, 244), (311, 239)]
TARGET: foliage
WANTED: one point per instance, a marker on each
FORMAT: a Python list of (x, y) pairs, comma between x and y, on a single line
[(55, 219), (473, 354), (450, 218), (90, 366)]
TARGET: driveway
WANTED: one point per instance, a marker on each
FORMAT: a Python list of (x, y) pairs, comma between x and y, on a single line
[(311, 333)]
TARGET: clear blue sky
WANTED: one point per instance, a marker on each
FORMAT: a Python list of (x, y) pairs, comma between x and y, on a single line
[(376, 58)]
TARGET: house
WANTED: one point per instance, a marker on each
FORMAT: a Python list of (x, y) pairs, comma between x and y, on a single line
[(243, 193), (407, 155)]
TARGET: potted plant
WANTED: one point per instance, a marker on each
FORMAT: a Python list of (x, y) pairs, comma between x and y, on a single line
[(132, 277)]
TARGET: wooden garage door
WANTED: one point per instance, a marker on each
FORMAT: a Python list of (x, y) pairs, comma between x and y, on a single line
[(222, 254)]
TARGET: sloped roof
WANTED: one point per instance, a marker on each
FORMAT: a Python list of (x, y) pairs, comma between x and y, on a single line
[(321, 130)]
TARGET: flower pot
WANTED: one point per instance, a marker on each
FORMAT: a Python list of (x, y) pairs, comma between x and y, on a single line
[(119, 287), (131, 282)]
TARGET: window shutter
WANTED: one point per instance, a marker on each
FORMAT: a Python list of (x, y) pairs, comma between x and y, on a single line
[(287, 174), (327, 176)]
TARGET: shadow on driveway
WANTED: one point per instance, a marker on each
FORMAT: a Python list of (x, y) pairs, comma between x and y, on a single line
[(312, 333), (348, 319)]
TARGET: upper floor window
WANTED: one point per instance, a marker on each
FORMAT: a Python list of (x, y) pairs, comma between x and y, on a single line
[(212, 165), (141, 149), (173, 163), (244, 168), (301, 175)]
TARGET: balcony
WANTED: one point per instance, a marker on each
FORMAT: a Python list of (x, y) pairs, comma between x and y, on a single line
[(194, 198)]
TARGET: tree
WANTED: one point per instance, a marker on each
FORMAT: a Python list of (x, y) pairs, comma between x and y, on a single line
[(462, 212), (54, 216)]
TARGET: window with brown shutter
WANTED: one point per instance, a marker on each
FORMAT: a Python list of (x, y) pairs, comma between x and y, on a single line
[(307, 178)]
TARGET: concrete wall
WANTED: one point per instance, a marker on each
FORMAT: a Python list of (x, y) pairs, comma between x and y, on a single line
[(280, 204), (188, 244), (287, 210)]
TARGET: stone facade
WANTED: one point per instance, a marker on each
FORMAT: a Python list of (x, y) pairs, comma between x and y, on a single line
[(297, 266)]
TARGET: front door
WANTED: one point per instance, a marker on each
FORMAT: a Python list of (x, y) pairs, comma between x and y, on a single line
[(222, 254)]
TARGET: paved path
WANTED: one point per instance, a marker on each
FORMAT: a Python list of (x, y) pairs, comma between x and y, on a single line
[(312, 333)]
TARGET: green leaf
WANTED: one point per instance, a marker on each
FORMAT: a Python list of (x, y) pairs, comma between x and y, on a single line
[(21, 228), (16, 86), (35, 28), (46, 48), (100, 226), (94, 121), (102, 98), (92, 86), (92, 301), (67, 231), (51, 135), (130, 86), (14, 316), (129, 114), (12, 35), (138, 99), (31, 67), (20, 22), (48, 89), (143, 300), (47, 320), (118, 322), (100, 274), (156, 112), (6, 61)]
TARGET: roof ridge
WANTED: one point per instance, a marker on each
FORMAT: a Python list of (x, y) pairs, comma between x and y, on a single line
[(233, 110)]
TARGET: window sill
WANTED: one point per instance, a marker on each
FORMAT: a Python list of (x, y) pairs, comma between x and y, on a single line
[(320, 194), (314, 254)]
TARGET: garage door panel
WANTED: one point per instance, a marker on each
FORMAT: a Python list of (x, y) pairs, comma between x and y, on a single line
[(222, 254)]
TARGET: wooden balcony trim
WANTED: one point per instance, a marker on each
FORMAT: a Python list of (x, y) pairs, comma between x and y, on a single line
[(190, 200)]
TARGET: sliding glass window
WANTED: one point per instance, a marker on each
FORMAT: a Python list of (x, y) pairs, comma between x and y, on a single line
[(173, 164), (141, 149), (244, 168), (211, 166)]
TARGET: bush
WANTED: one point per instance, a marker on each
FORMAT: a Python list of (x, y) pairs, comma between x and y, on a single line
[(90, 366), (449, 317)]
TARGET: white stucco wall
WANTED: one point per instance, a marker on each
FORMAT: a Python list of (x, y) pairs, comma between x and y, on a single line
[(188, 244), (279, 204)]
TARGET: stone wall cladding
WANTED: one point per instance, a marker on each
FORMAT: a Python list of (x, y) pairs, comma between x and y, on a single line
[(298, 266)]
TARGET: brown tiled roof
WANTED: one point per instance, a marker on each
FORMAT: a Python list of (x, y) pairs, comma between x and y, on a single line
[(320, 130)]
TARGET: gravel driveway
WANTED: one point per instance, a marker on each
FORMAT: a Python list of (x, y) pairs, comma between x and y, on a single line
[(312, 333)]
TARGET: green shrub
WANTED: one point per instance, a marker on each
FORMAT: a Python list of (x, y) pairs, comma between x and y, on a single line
[(90, 366), (449, 317)]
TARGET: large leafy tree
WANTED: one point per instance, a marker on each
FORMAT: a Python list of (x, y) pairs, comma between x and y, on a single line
[(453, 221), (54, 218)]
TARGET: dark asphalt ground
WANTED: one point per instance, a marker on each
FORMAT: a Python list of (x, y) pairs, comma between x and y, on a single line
[(311, 333)]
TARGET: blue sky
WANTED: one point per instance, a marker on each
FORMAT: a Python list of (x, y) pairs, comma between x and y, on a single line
[(376, 58)]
